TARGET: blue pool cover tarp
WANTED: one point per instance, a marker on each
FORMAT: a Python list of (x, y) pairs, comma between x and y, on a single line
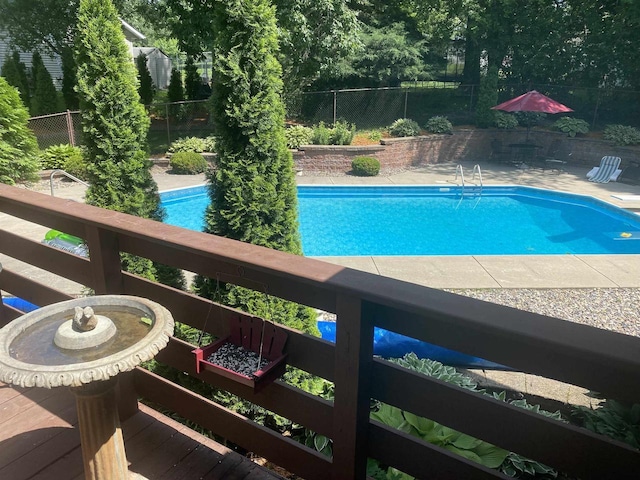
[(394, 345), (19, 304)]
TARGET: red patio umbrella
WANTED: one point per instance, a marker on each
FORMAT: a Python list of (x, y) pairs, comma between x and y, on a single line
[(532, 101)]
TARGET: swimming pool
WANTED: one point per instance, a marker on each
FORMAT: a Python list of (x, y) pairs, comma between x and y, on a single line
[(437, 220)]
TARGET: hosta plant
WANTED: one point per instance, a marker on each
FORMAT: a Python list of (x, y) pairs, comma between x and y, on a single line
[(571, 126)]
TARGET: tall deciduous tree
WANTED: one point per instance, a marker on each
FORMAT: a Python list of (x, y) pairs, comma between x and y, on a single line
[(114, 122), (18, 145), (314, 34), (253, 190)]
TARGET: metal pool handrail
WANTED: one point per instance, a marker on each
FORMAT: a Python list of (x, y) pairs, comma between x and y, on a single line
[(66, 174)]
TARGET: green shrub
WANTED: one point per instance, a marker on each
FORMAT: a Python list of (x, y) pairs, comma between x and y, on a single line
[(76, 164), (365, 166), (56, 156), (342, 133), (622, 134), (404, 127), (439, 125), (298, 135), (18, 145), (193, 144), (571, 126), (505, 120), (188, 163), (613, 419), (375, 135), (321, 134)]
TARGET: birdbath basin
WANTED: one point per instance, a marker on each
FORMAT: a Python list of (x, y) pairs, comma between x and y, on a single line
[(84, 344)]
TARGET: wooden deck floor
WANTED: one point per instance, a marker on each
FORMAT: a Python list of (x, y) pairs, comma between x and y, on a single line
[(39, 440)]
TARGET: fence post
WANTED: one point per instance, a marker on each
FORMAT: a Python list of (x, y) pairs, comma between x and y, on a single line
[(595, 112), (353, 359), (406, 94), (335, 106), (70, 131), (166, 113)]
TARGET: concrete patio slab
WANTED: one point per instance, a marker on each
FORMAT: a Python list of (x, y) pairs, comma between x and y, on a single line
[(623, 270), (543, 271), (365, 264), (437, 271)]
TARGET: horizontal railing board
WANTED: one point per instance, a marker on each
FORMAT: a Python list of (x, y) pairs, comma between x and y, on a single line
[(212, 266), (308, 353), (51, 212), (47, 258), (566, 447), (420, 459), (29, 290), (604, 361), (281, 450), (313, 412)]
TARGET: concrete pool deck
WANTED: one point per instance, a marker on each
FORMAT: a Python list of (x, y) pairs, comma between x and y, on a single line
[(481, 271)]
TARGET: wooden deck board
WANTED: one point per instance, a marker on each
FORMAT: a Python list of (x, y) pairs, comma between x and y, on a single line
[(39, 440)]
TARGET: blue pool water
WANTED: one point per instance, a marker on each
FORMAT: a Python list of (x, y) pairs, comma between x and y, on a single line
[(345, 221)]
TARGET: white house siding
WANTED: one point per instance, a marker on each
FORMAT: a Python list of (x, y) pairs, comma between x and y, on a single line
[(53, 64)]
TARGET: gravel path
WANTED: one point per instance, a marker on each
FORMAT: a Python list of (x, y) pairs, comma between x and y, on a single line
[(615, 309)]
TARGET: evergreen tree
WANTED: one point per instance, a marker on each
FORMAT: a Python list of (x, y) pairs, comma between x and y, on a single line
[(44, 98), (114, 122), (69, 80), (15, 73), (487, 98), (18, 145), (175, 91), (253, 190), (192, 81), (145, 83)]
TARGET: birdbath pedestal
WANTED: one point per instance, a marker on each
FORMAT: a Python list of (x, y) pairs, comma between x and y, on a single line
[(84, 344)]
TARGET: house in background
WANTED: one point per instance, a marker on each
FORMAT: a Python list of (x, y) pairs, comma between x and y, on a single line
[(158, 63), (53, 63)]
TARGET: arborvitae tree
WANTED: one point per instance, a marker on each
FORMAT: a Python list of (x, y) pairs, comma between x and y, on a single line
[(44, 97), (175, 91), (69, 80), (145, 83), (253, 189), (15, 73), (192, 81), (114, 122), (18, 145), (487, 98)]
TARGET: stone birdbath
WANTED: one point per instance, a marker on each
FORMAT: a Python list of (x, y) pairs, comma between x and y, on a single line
[(84, 344)]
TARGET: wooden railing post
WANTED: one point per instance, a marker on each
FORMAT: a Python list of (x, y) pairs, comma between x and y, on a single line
[(354, 350), (105, 261)]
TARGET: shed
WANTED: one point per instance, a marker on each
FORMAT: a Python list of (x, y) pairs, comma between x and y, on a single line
[(158, 63)]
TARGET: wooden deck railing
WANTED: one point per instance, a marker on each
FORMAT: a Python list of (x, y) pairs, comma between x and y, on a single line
[(599, 360)]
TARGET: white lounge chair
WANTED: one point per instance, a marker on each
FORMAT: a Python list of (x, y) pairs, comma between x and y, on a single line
[(607, 171)]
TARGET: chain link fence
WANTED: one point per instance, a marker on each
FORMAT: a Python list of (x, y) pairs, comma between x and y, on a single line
[(366, 108), (56, 129), (379, 107)]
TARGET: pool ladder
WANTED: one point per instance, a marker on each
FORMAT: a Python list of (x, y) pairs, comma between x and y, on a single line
[(476, 182)]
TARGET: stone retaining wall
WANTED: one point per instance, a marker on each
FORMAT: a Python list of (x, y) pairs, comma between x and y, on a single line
[(464, 145)]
